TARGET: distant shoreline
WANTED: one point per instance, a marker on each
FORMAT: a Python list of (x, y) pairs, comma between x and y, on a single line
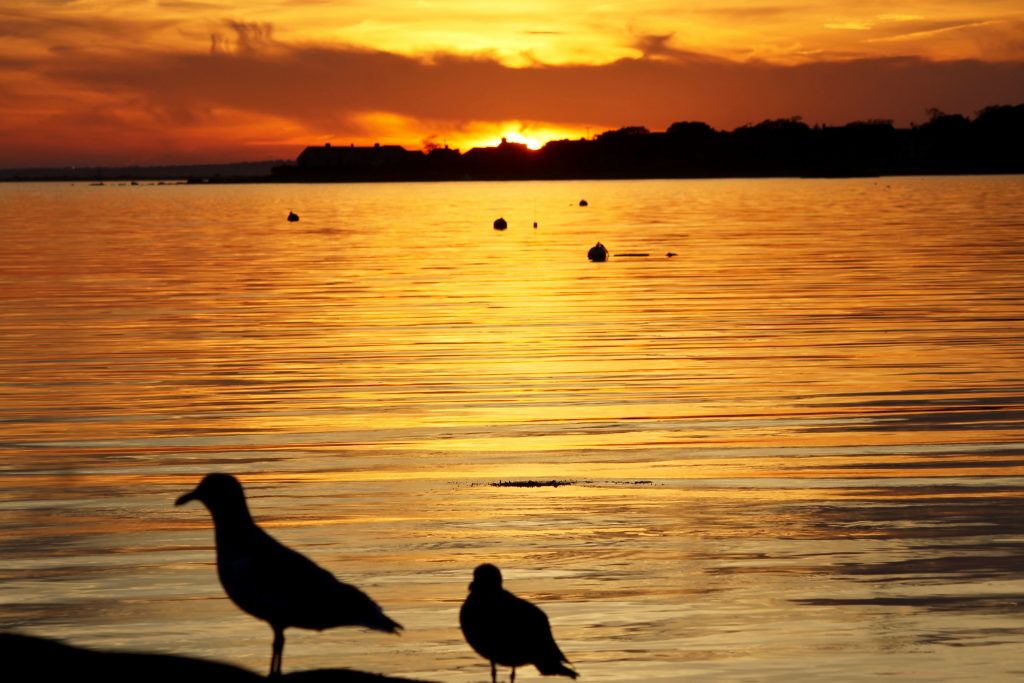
[(176, 173), (948, 144), (269, 180)]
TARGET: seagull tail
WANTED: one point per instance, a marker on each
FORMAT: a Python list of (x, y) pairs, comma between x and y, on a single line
[(556, 669), (385, 623)]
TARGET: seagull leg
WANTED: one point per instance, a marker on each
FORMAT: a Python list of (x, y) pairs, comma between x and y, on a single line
[(513, 678), (494, 673), (275, 659)]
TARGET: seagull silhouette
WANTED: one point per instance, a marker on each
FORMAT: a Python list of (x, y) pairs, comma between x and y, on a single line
[(508, 630), (273, 582)]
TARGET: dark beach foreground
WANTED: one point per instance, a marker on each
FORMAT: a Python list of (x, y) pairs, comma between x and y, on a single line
[(29, 658)]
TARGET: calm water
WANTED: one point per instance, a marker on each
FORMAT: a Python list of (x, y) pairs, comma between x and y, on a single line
[(798, 446)]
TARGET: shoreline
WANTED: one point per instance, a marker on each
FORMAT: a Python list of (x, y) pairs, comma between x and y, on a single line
[(36, 658), (103, 181)]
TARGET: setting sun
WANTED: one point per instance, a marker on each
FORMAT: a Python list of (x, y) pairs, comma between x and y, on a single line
[(530, 142), (532, 134)]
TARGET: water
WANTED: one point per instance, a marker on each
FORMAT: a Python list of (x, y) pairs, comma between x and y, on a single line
[(797, 446)]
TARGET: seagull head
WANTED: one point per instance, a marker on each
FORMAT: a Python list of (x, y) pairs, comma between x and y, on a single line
[(486, 577), (218, 492)]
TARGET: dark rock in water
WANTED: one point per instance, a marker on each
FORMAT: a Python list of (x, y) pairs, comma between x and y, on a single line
[(671, 254), (27, 658), (583, 202), (598, 252), (500, 224), (292, 216), (49, 660)]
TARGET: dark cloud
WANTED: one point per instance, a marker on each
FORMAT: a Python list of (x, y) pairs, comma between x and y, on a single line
[(193, 5), (322, 86), (739, 13), (657, 46), (244, 36), (176, 98), (654, 45), (252, 36)]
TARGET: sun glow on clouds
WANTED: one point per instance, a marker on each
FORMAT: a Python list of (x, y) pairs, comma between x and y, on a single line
[(533, 135), (388, 128), (519, 138)]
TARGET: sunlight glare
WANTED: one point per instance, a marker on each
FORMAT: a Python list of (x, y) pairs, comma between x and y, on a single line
[(533, 135)]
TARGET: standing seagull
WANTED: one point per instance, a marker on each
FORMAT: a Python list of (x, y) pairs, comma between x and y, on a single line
[(508, 630), (273, 582)]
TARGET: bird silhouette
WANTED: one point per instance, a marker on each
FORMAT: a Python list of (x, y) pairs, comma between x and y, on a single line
[(273, 582), (508, 630)]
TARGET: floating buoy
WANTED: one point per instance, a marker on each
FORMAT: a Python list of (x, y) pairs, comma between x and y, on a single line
[(292, 216), (535, 224), (500, 224), (598, 252), (583, 202)]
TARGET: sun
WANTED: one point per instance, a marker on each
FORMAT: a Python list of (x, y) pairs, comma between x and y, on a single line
[(534, 135), (530, 142)]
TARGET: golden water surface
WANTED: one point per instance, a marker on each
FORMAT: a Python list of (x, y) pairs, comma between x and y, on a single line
[(796, 448)]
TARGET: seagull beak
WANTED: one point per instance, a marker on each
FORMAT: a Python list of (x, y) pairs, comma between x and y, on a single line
[(188, 497)]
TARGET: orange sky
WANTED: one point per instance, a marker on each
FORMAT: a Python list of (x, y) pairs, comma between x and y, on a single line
[(176, 81)]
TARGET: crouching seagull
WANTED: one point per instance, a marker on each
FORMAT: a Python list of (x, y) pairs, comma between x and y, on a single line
[(273, 582), (508, 630)]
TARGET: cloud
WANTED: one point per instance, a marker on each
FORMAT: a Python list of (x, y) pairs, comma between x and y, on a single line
[(251, 86), (322, 85), (54, 26), (248, 37), (657, 46), (193, 5), (997, 40), (849, 25), (751, 13)]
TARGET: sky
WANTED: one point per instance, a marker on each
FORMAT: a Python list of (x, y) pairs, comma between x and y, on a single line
[(125, 82)]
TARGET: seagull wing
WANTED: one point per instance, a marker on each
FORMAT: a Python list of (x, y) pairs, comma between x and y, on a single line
[(534, 640), (284, 587)]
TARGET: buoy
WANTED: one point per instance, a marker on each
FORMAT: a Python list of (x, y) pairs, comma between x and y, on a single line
[(598, 253), (671, 254), (292, 216), (500, 224), (583, 202), (535, 224)]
